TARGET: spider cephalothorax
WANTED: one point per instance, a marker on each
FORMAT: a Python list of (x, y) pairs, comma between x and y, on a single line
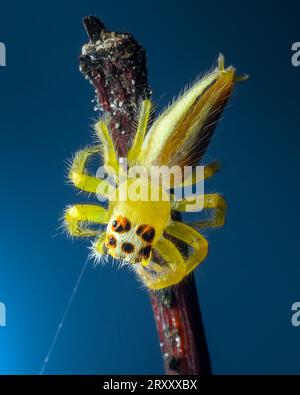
[(135, 226), (140, 229)]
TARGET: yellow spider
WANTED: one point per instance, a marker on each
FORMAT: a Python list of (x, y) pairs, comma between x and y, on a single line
[(141, 232)]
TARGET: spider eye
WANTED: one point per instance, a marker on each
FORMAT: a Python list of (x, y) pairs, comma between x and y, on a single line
[(121, 224), (146, 232), (111, 241), (127, 247)]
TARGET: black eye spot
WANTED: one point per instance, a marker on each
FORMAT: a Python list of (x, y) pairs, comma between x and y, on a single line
[(145, 252), (139, 230), (121, 224), (111, 241), (146, 232), (127, 226), (127, 247)]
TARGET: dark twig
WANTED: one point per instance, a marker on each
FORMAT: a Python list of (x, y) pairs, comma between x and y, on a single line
[(116, 65)]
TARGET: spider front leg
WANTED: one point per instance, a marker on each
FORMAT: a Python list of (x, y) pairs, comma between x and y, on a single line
[(192, 238), (76, 218), (174, 271), (98, 247), (107, 146), (79, 176), (144, 115)]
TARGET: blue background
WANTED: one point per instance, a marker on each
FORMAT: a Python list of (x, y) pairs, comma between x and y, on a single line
[(251, 278)]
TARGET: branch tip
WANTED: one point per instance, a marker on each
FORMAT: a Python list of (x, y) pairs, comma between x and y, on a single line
[(93, 27)]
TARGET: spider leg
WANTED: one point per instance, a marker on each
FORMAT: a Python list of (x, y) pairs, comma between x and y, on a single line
[(213, 201), (194, 239), (79, 176), (107, 145), (76, 217), (98, 245), (175, 269), (217, 204), (153, 265), (209, 171), (141, 130)]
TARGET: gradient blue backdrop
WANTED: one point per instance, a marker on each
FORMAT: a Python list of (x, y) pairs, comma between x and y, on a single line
[(251, 278)]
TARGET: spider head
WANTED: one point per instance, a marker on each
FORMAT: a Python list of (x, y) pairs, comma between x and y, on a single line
[(129, 241), (135, 225)]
